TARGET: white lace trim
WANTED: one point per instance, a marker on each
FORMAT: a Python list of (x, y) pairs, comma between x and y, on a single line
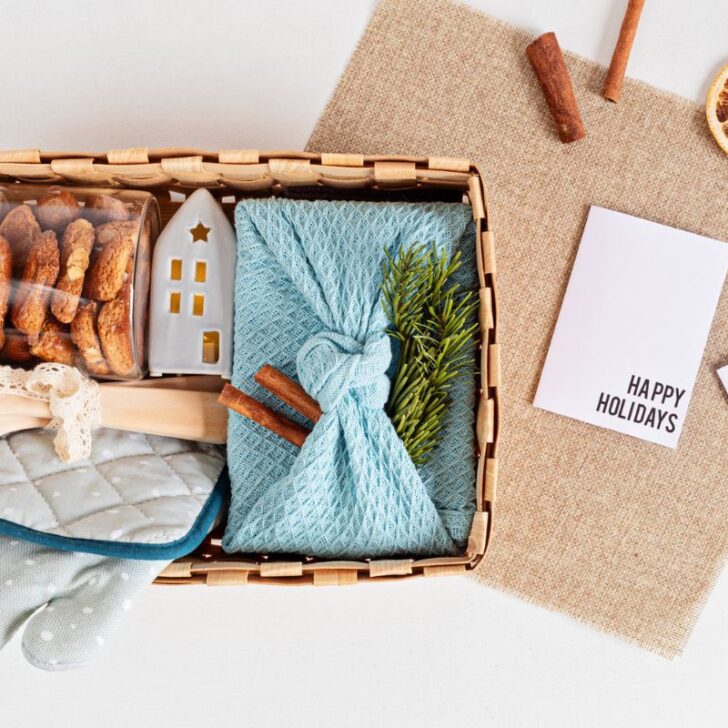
[(74, 402)]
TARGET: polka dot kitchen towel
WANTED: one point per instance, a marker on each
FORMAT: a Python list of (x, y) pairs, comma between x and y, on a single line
[(308, 301)]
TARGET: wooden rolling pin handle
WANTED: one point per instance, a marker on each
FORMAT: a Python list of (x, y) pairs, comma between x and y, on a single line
[(189, 415), (186, 414)]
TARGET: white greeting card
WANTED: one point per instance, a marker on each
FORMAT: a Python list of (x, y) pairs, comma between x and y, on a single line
[(633, 326), (723, 374)]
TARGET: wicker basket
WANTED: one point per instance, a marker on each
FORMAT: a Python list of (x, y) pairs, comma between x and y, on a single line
[(234, 174)]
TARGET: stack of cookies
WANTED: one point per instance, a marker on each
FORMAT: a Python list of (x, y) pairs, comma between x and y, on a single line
[(66, 281)]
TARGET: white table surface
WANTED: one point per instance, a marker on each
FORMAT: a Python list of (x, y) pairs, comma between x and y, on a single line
[(443, 652)]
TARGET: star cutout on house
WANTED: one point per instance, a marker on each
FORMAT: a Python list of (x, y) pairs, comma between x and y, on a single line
[(199, 233)]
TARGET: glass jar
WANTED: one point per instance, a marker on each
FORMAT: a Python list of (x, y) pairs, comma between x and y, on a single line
[(74, 277)]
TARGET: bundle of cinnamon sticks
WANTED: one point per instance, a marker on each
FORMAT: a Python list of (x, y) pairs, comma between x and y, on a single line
[(285, 389), (550, 68)]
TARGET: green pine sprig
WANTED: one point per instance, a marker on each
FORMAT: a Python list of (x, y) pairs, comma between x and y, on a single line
[(431, 318)]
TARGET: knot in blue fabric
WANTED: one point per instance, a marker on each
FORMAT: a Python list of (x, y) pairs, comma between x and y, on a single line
[(331, 365)]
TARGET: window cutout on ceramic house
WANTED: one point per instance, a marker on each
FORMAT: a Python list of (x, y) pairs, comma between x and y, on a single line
[(174, 301), (175, 269), (198, 304), (200, 271), (210, 347)]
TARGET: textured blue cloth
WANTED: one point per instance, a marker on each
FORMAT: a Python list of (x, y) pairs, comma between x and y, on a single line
[(308, 301)]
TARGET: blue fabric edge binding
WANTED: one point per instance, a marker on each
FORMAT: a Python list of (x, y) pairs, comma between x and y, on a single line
[(138, 552)]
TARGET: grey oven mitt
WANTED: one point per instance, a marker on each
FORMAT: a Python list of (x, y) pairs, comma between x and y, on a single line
[(79, 540), (136, 497), (70, 602)]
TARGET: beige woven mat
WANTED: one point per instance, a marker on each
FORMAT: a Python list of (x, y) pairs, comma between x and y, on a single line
[(623, 534)]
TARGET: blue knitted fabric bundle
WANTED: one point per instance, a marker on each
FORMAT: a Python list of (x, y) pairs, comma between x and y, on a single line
[(308, 301)]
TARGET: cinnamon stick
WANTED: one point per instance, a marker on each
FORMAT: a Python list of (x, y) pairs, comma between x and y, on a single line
[(290, 392), (618, 67), (553, 77), (245, 405)]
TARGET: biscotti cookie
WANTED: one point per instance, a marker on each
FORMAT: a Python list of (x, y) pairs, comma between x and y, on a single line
[(16, 348), (34, 290), (115, 242), (84, 335), (6, 285), (53, 343), (100, 209), (56, 210), (115, 334), (20, 228), (78, 239)]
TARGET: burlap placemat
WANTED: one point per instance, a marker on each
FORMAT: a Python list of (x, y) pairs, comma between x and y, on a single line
[(623, 534)]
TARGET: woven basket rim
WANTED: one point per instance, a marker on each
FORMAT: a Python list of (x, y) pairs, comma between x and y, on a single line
[(247, 172)]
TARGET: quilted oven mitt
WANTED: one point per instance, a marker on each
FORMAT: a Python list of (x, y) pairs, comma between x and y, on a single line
[(81, 598), (79, 540)]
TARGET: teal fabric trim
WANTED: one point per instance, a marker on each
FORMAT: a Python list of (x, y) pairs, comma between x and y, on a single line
[(141, 552)]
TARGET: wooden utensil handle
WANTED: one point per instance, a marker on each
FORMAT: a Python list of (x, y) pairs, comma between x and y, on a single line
[(17, 405), (168, 412), (193, 382), (17, 423)]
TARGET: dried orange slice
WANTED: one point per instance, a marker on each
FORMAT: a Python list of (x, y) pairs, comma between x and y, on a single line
[(716, 108)]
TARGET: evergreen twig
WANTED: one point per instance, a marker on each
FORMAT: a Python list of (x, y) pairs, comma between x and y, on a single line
[(431, 318)]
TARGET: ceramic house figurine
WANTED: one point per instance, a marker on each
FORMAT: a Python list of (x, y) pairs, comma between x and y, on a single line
[(191, 308)]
